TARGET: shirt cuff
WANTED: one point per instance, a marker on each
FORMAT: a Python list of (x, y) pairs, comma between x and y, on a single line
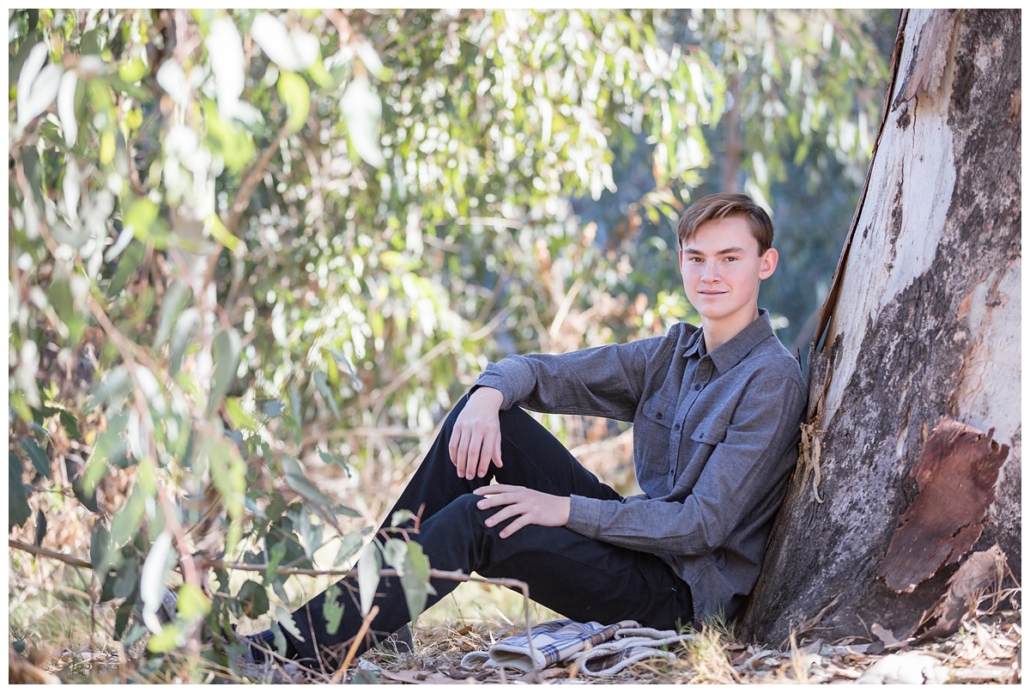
[(498, 383), (585, 515)]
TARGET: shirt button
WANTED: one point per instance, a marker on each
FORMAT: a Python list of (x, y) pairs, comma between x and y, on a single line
[(697, 387), (658, 416), (676, 427)]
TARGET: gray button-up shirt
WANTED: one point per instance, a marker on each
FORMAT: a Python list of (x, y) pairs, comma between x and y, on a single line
[(714, 441)]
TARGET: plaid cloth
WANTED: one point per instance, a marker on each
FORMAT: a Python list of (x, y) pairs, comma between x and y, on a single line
[(553, 642), (600, 650)]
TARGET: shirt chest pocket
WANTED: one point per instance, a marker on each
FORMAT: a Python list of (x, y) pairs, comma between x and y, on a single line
[(712, 429), (652, 433)]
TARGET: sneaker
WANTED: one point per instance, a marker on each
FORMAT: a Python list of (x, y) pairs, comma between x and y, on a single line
[(401, 641)]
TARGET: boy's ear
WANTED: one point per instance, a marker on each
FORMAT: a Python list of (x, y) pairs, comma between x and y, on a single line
[(769, 261)]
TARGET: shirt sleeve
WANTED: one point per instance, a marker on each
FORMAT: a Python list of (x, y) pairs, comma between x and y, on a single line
[(602, 381), (755, 455)]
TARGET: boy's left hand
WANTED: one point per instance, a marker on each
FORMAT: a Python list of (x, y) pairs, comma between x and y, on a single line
[(527, 506)]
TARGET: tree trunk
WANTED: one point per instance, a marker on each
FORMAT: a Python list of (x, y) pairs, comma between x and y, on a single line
[(920, 331)]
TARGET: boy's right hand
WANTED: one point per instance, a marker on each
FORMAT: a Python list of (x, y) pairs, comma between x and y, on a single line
[(476, 437)]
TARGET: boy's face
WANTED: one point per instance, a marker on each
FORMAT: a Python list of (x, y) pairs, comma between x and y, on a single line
[(722, 270)]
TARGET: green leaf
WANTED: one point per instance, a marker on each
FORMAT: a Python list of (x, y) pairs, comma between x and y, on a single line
[(218, 231), (152, 579), (192, 604), (167, 639), (185, 327), (280, 639), (174, 301), (349, 545), (285, 619), (368, 576), (132, 70), (141, 215), (295, 479), (323, 387), (40, 527), (125, 524), (89, 500), (294, 92), (400, 517), (332, 609), (99, 548), (18, 510), (415, 580), (121, 619), (272, 408), (227, 360), (36, 454), (253, 598), (136, 631), (275, 556), (126, 579), (240, 418), (362, 110)]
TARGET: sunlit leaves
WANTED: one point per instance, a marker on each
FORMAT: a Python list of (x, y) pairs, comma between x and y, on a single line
[(294, 92), (362, 109), (152, 579), (369, 564), (292, 50), (225, 47), (37, 85), (227, 359)]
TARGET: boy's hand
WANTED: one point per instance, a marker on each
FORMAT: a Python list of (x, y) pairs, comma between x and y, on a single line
[(527, 506), (476, 437)]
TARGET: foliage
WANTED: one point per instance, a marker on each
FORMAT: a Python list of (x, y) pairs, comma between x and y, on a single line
[(209, 232), (249, 247)]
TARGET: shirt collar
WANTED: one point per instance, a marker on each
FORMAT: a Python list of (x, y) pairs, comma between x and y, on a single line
[(732, 352)]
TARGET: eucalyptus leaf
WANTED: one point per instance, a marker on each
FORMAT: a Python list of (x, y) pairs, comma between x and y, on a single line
[(99, 548), (18, 505), (37, 455), (362, 110), (291, 50), (192, 603), (415, 580), (171, 306), (40, 528), (296, 94), (226, 355), (125, 581), (332, 609), (322, 384), (285, 619), (253, 598), (185, 327), (349, 545), (295, 479), (225, 46), (369, 564), (152, 579)]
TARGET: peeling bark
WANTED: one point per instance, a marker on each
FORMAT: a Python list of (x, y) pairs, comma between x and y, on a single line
[(956, 473), (922, 322)]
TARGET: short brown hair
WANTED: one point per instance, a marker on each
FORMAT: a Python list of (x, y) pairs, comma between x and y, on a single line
[(721, 206)]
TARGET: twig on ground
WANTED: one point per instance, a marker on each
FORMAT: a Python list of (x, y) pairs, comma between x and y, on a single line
[(354, 645)]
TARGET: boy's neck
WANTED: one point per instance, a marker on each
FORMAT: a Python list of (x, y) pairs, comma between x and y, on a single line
[(718, 332)]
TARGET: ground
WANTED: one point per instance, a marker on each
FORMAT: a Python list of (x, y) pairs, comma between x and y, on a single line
[(985, 650)]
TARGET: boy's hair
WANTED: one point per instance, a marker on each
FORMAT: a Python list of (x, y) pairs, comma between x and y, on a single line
[(722, 205)]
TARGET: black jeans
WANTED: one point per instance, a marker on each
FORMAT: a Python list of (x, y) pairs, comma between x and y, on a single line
[(582, 578)]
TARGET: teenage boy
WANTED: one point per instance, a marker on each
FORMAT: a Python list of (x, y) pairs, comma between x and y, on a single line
[(715, 414)]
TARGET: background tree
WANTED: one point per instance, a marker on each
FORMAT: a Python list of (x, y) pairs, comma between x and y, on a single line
[(917, 365)]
